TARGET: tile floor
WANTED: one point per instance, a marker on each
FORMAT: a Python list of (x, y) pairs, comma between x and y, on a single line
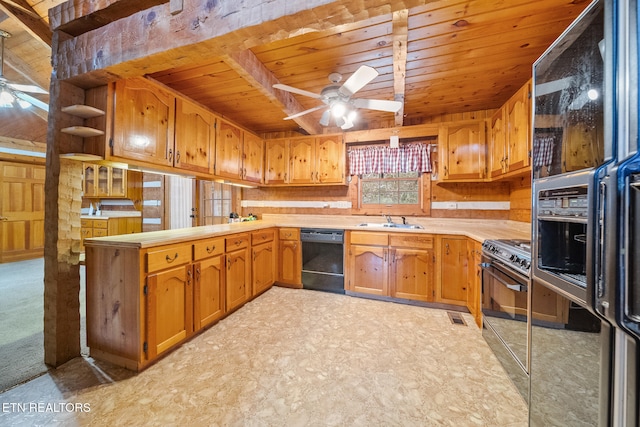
[(291, 358)]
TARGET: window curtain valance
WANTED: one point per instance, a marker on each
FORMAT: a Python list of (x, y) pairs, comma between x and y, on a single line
[(384, 159)]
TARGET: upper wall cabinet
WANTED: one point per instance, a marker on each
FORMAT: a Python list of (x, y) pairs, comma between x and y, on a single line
[(195, 138), (510, 143), (239, 154), (462, 151), (143, 125), (305, 160)]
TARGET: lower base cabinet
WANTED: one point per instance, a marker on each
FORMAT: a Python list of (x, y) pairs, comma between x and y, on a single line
[(290, 258), (208, 282), (238, 271), (453, 284), (263, 259)]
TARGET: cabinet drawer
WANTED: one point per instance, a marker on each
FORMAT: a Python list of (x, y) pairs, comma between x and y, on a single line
[(100, 223), (100, 232), (237, 241), (85, 223), (411, 241), (207, 248), (168, 256), (368, 238), (289, 234), (262, 236)]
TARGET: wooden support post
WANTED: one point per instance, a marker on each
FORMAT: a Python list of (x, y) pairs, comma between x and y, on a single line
[(63, 196)]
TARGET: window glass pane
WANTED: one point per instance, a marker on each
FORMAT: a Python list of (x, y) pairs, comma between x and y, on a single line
[(370, 198), (371, 176), (389, 186), (388, 198), (406, 185), (369, 187), (408, 175), (409, 198)]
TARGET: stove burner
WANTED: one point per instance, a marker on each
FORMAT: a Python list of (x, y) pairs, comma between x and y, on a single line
[(514, 253)]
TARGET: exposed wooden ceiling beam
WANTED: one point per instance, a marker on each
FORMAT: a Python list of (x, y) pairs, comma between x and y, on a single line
[(400, 29), (24, 69), (22, 11), (247, 65), (22, 145)]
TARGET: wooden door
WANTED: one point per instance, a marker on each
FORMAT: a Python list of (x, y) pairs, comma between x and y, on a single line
[(253, 158), (276, 161), (208, 291), (330, 159), (21, 211), (195, 137), (463, 153), (368, 269), (143, 127), (302, 156), (228, 151), (263, 267), (412, 274), (453, 273), (238, 278), (497, 144), (169, 309), (519, 120), (290, 259)]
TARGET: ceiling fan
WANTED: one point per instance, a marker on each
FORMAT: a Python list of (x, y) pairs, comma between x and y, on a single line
[(338, 101), (13, 94)]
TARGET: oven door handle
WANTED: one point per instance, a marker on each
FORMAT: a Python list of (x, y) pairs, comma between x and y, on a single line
[(513, 286)]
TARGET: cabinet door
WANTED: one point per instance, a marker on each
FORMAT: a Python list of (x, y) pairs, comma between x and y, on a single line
[(143, 127), (264, 267), (330, 154), (90, 185), (208, 291), (169, 309), (453, 273), (463, 153), (103, 175), (519, 119), (475, 281), (228, 151), (302, 160), (238, 278), (276, 161), (290, 258), (195, 133), (253, 154), (412, 274), (497, 144), (118, 185), (368, 269)]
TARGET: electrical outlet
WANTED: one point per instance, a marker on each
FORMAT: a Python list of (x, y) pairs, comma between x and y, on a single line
[(451, 205)]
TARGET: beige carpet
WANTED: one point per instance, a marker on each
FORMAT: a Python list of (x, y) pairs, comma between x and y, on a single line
[(294, 358)]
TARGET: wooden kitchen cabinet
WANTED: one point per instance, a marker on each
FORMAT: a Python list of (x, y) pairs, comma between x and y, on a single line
[(510, 142), (474, 291), (452, 284), (413, 260), (209, 282), (305, 160), (462, 151), (143, 123), (238, 273), (290, 257), (102, 182), (194, 137), (239, 154), (391, 264), (263, 260)]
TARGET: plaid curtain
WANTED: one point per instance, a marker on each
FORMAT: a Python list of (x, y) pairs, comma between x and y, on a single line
[(384, 159)]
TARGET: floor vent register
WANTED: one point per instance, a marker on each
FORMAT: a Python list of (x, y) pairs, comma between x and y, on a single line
[(456, 318)]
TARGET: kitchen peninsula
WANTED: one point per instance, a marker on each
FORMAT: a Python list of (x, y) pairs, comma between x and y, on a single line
[(149, 292)]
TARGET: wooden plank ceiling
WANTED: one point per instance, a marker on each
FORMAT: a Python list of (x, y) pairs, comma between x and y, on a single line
[(448, 56), (461, 56)]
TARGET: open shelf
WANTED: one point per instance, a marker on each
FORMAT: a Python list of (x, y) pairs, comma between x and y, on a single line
[(82, 131), (84, 111)]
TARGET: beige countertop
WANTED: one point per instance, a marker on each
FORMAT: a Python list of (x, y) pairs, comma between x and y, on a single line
[(113, 214), (477, 229)]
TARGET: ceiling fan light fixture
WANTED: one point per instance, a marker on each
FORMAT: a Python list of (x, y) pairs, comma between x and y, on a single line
[(338, 109), (6, 99), (23, 104), (324, 120)]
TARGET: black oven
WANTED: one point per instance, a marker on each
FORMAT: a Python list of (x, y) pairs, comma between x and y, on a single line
[(505, 302)]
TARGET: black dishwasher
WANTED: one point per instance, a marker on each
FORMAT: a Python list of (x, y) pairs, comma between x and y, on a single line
[(323, 259)]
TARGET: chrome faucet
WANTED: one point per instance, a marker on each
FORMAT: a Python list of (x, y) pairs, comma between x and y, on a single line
[(388, 217)]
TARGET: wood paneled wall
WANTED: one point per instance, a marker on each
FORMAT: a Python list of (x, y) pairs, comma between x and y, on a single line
[(520, 198)]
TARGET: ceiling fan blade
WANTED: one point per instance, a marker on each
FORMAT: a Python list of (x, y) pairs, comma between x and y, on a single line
[(358, 80), (302, 113), (27, 88), (296, 90), (378, 104), (32, 100)]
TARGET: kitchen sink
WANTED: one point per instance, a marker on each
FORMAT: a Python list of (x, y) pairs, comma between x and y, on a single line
[(389, 225)]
